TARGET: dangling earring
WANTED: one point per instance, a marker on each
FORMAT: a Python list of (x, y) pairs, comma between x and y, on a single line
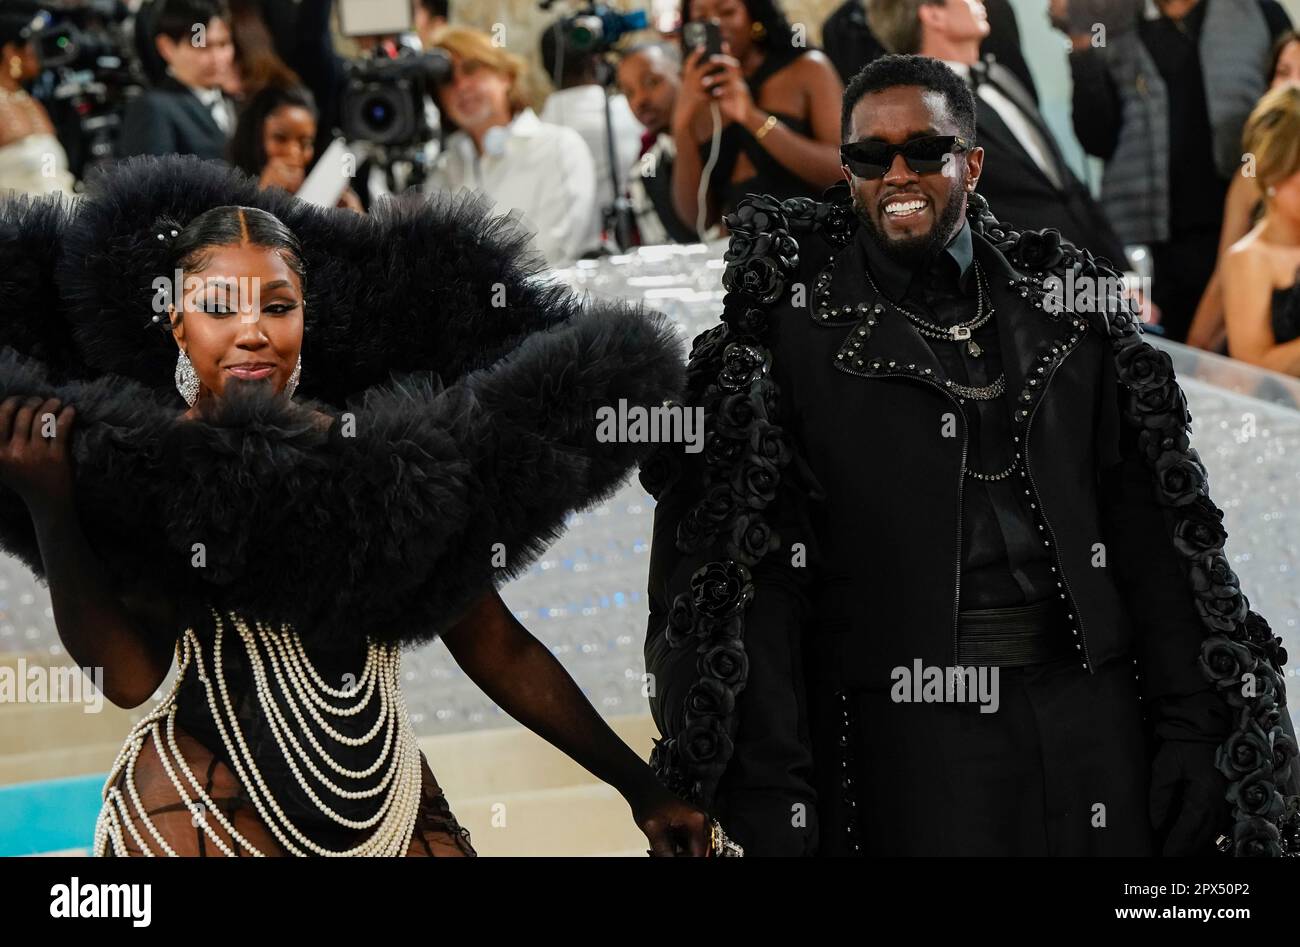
[(757, 30), (187, 381), (291, 385), (16, 67)]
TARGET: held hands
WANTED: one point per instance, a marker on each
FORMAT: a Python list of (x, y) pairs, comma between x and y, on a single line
[(35, 460), (674, 828)]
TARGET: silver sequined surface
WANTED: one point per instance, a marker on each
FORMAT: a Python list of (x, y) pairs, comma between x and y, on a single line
[(586, 598)]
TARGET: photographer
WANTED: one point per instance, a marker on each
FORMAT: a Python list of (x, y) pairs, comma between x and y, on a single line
[(497, 145), (778, 107), (187, 112), (581, 102), (31, 159)]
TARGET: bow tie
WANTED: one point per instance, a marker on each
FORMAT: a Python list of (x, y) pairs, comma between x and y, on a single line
[(979, 74)]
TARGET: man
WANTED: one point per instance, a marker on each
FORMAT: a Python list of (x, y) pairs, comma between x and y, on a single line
[(499, 147), (186, 112), (1162, 97), (850, 44), (604, 121), (1028, 182), (946, 579), (649, 76)]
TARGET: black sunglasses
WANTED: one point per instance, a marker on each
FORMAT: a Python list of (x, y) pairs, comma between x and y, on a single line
[(873, 159)]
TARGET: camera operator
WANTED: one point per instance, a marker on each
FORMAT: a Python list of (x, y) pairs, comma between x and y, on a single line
[(579, 102), (650, 75), (31, 159), (497, 145), (187, 112)]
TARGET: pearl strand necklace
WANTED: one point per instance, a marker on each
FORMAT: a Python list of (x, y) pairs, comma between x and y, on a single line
[(399, 809)]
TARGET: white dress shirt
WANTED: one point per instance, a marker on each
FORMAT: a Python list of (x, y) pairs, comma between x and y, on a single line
[(214, 100), (1030, 138), (582, 108), (543, 170)]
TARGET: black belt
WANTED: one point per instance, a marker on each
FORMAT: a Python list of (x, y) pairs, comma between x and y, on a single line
[(1013, 637)]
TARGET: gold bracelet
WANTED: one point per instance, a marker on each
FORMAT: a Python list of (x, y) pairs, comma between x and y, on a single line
[(766, 127)]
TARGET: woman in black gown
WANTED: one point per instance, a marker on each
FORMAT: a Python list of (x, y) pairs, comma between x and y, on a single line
[(778, 103), (284, 548)]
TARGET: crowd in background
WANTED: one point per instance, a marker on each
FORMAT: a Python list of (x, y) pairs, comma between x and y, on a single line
[(1192, 108)]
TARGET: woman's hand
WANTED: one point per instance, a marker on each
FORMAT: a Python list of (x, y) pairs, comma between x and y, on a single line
[(280, 174), (349, 200), (35, 460), (727, 86), (694, 96), (673, 827)]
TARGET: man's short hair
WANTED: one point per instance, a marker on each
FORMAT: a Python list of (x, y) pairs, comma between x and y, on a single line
[(897, 23), (671, 51), (887, 72), (563, 63), (440, 8), (176, 18)]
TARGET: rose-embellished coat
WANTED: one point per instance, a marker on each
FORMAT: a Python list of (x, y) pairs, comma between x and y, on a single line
[(814, 545)]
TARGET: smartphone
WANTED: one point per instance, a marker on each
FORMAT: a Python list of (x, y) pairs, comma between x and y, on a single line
[(704, 33)]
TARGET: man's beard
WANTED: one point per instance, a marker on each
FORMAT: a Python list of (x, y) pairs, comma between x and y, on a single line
[(920, 250)]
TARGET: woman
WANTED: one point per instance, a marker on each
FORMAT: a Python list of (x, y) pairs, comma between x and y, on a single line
[(284, 550), (1262, 310), (1241, 209), (31, 159), (778, 107), (497, 145), (275, 140)]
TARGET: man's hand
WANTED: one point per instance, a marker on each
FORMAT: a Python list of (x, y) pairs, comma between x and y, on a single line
[(1189, 809)]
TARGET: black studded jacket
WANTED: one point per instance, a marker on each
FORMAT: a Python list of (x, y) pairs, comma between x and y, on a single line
[(815, 544)]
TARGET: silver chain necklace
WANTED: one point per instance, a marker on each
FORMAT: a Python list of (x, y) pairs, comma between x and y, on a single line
[(961, 332)]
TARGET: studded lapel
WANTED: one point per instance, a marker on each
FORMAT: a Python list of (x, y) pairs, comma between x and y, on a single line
[(1033, 339), (881, 341)]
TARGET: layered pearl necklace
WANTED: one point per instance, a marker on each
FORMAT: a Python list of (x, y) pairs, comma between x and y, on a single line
[(300, 687)]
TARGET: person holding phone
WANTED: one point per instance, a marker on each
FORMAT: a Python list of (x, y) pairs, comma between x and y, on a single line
[(275, 140), (775, 128)]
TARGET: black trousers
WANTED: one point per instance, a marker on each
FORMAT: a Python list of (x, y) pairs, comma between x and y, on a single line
[(1061, 769)]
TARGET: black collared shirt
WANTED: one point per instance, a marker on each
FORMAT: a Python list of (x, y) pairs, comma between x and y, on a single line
[(1003, 561)]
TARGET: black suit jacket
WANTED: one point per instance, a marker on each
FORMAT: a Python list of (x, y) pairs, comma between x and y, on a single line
[(1020, 193), (169, 119), (850, 44)]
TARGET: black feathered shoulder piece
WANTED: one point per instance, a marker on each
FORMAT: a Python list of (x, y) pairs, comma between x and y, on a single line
[(459, 395)]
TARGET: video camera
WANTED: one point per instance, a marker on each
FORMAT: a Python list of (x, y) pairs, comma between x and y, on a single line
[(384, 99), (596, 28), (84, 48)]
